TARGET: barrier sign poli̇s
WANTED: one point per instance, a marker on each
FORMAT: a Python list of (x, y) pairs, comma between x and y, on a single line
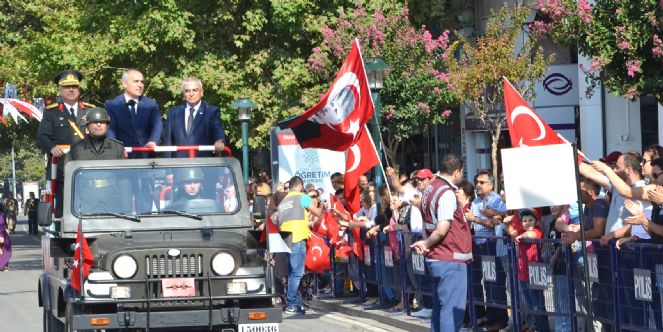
[(313, 165)]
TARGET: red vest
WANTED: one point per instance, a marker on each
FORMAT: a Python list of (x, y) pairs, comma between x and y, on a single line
[(456, 246)]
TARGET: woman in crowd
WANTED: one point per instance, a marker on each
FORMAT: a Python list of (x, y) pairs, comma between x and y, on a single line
[(5, 243)]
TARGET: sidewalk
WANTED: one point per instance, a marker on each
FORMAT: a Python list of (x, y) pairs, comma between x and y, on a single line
[(398, 320)]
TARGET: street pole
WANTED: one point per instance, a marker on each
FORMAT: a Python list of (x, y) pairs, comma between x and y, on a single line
[(13, 171), (375, 93), (245, 150)]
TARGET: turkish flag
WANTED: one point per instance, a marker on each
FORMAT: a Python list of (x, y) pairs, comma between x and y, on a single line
[(317, 254), (526, 128), (361, 157), (343, 249), (335, 121), (82, 254), (357, 244), (271, 233), (327, 226)]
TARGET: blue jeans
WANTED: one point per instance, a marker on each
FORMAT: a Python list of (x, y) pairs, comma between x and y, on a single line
[(534, 301), (561, 297), (450, 285), (295, 272)]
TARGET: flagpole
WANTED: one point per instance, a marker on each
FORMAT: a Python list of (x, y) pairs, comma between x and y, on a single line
[(583, 246), (80, 250)]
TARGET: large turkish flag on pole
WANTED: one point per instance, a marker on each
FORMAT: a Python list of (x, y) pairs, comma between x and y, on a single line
[(335, 121), (526, 128)]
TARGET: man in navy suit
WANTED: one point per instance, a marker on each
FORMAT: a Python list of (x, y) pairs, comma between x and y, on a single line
[(194, 122), (135, 119)]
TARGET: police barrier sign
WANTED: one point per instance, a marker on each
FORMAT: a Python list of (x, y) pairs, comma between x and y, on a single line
[(388, 259), (418, 263), (367, 255), (488, 268), (642, 285), (592, 263), (538, 275)]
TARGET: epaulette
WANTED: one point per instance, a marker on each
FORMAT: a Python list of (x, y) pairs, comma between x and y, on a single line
[(114, 140), (53, 105), (88, 104)]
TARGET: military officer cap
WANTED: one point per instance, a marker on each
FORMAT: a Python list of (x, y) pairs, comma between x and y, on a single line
[(96, 114), (68, 78)]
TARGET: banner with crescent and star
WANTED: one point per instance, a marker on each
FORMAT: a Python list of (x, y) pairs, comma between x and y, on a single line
[(335, 121)]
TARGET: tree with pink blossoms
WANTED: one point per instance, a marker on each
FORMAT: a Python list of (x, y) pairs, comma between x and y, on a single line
[(622, 39), (416, 93), (475, 75)]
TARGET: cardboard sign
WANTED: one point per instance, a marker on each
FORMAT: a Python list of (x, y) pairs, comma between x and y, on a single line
[(529, 169)]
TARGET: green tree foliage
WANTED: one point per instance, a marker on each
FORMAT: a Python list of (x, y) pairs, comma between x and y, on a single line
[(238, 48), (623, 39), (475, 76), (415, 94)]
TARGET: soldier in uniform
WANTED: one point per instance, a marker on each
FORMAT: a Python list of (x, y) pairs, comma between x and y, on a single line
[(62, 124), (30, 210), (96, 145), (191, 193), (11, 210), (101, 190)]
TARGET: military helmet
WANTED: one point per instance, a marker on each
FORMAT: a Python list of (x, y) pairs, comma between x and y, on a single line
[(190, 174), (96, 114)]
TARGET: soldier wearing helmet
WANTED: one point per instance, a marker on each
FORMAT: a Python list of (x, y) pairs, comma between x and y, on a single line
[(96, 145), (191, 192)]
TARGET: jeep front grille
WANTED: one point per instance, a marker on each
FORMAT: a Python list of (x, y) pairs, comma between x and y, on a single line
[(163, 266)]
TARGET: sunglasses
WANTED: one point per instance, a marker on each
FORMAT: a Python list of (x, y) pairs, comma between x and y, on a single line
[(655, 175), (313, 196)]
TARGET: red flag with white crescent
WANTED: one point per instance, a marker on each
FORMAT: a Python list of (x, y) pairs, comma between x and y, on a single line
[(335, 121), (361, 157), (82, 255), (526, 128), (317, 254)]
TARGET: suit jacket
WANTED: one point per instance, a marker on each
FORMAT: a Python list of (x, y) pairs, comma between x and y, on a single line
[(206, 129), (135, 130)]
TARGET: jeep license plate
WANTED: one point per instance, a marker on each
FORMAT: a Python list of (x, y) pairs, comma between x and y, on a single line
[(178, 287), (266, 327)]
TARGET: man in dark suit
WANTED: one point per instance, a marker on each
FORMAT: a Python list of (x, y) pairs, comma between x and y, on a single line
[(194, 122), (63, 124), (135, 119)]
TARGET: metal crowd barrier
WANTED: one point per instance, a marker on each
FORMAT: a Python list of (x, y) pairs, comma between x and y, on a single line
[(626, 285)]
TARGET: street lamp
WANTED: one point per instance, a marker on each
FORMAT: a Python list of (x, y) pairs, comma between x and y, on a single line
[(376, 70), (244, 106)]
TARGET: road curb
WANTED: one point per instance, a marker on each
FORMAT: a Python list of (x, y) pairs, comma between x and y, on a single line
[(396, 320)]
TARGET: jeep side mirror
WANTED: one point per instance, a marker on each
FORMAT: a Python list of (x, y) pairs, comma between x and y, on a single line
[(259, 206), (44, 214)]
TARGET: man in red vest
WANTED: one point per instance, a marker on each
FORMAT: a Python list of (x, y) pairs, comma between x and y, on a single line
[(448, 245)]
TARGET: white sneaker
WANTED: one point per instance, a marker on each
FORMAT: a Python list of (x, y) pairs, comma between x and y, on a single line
[(423, 313)]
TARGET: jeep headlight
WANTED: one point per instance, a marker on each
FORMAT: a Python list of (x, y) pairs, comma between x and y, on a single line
[(223, 263), (125, 267)]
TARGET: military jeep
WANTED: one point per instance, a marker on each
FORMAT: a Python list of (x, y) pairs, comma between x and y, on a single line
[(173, 249)]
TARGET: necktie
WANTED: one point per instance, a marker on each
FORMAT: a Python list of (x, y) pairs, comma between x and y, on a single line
[(189, 123), (73, 114), (132, 106)]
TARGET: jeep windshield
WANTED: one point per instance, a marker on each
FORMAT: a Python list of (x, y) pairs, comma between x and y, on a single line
[(145, 192)]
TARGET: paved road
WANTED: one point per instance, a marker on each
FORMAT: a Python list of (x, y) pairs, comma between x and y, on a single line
[(19, 310)]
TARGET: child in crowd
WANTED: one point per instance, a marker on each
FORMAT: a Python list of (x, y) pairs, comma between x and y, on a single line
[(527, 227)]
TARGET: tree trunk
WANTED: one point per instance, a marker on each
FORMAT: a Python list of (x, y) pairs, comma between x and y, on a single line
[(493, 153)]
